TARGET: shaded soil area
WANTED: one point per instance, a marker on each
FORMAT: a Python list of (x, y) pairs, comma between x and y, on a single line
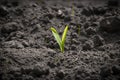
[(28, 50)]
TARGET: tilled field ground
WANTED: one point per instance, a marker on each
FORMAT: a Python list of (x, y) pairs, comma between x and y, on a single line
[(28, 50)]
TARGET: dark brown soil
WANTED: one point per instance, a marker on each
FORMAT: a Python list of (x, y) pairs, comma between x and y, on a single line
[(28, 50)]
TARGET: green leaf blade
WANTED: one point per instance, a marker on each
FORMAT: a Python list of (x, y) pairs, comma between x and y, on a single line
[(64, 37), (57, 37)]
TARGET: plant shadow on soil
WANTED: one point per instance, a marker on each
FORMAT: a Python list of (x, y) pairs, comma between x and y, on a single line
[(28, 50)]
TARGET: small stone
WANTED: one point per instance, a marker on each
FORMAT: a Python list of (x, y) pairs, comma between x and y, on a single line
[(25, 43), (60, 14)]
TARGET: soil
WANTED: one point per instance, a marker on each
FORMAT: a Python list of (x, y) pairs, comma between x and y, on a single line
[(28, 50)]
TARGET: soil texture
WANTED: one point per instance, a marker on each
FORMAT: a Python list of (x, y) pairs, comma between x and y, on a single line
[(28, 50)]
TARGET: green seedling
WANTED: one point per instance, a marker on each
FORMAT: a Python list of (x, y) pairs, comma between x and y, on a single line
[(60, 41)]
